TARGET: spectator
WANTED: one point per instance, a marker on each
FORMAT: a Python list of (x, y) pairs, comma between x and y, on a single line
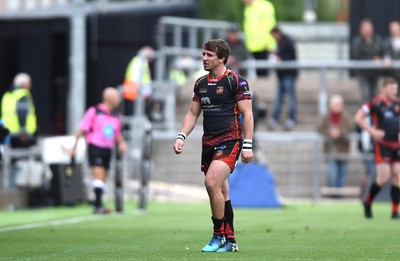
[(137, 76), (238, 48), (19, 116), (336, 125), (18, 112), (259, 19), (285, 51), (392, 46), (368, 46), (101, 127)]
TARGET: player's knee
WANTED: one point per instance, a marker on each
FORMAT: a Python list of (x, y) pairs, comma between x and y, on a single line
[(382, 179), (211, 185)]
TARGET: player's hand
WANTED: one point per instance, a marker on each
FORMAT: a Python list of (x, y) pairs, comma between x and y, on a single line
[(247, 156), (377, 135), (178, 146)]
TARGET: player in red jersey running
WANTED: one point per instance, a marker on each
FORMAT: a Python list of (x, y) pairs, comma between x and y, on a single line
[(385, 113)]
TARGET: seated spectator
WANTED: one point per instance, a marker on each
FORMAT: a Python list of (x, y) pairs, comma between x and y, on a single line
[(335, 126), (238, 48), (367, 46), (392, 47)]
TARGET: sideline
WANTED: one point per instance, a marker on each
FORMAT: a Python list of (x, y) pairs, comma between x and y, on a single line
[(74, 220)]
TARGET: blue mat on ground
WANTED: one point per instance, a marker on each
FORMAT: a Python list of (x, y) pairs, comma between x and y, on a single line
[(252, 185)]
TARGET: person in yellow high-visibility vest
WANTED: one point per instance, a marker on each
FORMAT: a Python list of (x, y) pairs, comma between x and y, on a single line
[(18, 112), (258, 20), (138, 78), (19, 117)]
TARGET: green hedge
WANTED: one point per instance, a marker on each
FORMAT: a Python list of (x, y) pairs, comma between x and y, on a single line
[(286, 10)]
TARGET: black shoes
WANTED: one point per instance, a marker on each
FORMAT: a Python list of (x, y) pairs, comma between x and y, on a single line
[(367, 210)]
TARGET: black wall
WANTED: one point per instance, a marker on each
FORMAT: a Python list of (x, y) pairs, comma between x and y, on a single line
[(381, 12), (41, 49), (115, 38)]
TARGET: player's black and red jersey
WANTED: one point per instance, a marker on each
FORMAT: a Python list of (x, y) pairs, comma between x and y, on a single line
[(385, 116), (218, 98)]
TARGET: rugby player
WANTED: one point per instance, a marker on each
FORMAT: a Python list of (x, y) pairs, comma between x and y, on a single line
[(222, 95), (385, 112)]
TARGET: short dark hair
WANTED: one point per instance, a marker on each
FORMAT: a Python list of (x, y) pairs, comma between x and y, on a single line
[(388, 80), (219, 46), (276, 29)]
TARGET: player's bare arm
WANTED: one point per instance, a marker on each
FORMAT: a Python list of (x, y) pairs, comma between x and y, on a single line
[(245, 108), (187, 126), (376, 134)]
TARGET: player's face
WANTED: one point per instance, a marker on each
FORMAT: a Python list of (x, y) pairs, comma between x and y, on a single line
[(390, 91), (211, 60)]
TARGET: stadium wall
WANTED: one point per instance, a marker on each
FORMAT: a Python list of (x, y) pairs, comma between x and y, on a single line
[(381, 13)]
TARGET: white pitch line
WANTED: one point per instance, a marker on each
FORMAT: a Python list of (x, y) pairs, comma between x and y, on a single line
[(67, 221), (51, 223)]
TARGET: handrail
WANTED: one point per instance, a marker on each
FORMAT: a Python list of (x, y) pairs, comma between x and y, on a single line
[(322, 66)]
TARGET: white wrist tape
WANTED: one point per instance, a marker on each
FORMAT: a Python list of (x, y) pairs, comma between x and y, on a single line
[(247, 145), (181, 136)]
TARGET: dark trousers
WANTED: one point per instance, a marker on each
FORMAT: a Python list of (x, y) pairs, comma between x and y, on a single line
[(262, 55), (286, 86)]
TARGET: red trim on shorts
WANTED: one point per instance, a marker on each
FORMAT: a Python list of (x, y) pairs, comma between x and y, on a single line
[(231, 159), (378, 156), (390, 144), (377, 152)]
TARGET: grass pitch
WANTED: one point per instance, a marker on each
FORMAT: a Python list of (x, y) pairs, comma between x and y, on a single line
[(177, 231)]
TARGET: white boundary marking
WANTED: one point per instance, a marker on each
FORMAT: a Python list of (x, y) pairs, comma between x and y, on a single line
[(60, 222)]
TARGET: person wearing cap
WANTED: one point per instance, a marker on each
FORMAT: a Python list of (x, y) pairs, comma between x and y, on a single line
[(239, 52)]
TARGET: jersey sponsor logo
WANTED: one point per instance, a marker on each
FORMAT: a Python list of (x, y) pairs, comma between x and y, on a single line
[(205, 100), (246, 90), (211, 84), (388, 114), (220, 90), (242, 83), (203, 90)]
